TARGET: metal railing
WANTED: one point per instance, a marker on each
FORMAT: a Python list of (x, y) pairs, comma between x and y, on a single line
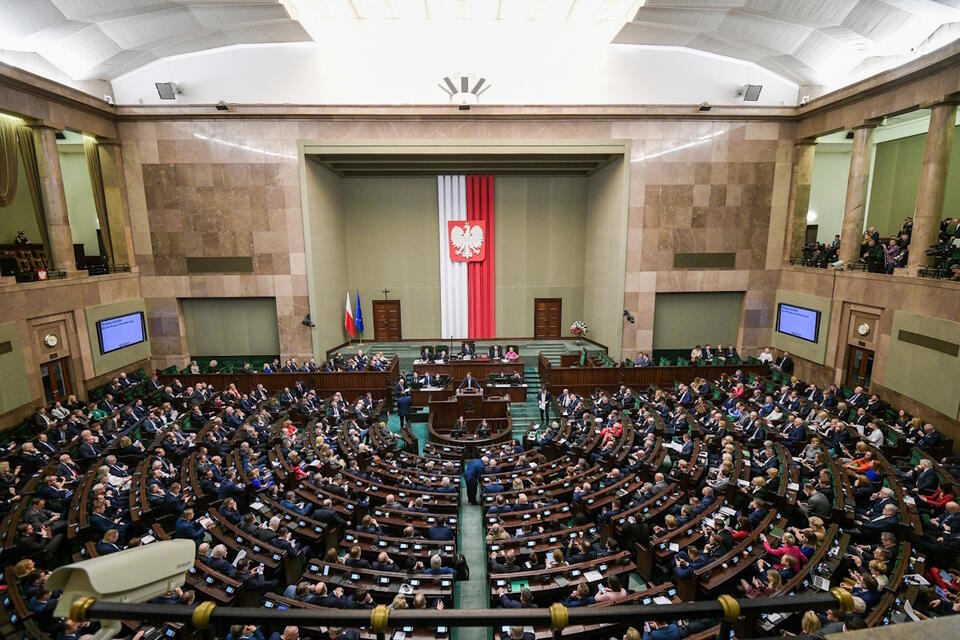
[(726, 609)]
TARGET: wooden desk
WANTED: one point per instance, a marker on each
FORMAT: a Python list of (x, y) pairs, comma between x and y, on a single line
[(423, 397), (443, 413), (457, 369), (517, 392), (351, 384), (474, 407)]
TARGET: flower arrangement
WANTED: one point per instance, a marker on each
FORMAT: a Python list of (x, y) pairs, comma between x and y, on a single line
[(579, 328)]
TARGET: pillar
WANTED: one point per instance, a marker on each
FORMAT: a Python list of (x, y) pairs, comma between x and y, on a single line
[(800, 181), (933, 183), (854, 208), (54, 198), (121, 236)]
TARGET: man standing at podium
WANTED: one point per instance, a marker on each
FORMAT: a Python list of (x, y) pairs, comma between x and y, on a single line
[(469, 382)]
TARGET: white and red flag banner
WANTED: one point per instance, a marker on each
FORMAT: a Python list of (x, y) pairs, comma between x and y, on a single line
[(467, 300)]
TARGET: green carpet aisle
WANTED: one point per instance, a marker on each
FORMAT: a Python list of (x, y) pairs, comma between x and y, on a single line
[(473, 592)]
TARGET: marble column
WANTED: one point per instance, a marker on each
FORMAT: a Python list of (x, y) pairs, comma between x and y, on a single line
[(854, 208), (800, 181), (54, 198), (933, 183), (121, 237)]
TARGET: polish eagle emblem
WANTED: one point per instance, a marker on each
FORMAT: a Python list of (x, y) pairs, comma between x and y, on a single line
[(467, 241)]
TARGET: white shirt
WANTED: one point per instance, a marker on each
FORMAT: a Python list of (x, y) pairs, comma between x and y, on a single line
[(766, 356)]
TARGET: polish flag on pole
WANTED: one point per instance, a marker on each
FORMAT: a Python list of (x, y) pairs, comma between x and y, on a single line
[(348, 319)]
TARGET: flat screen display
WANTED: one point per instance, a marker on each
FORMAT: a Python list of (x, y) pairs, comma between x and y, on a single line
[(121, 331), (798, 322)]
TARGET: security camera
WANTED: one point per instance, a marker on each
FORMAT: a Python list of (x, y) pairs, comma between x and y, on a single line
[(307, 322), (838, 265), (629, 316), (132, 575)]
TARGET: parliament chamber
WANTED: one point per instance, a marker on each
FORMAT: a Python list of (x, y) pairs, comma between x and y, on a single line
[(643, 324)]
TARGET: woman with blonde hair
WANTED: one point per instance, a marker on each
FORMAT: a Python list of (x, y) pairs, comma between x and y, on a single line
[(878, 569), (810, 625), (758, 588), (816, 525), (399, 602), (555, 559), (517, 484)]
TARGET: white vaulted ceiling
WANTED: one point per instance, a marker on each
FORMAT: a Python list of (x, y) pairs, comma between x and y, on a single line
[(531, 51), (812, 42), (102, 39)]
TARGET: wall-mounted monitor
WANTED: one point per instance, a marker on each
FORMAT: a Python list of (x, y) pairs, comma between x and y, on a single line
[(798, 322), (121, 331)]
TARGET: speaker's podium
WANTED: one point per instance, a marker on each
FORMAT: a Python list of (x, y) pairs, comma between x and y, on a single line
[(469, 401)]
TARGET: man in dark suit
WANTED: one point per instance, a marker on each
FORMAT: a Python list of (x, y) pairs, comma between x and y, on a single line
[(496, 352), (218, 561), (41, 420), (108, 544), (107, 404), (403, 409), (428, 380), (68, 469), (441, 532), (467, 349), (472, 475), (187, 529), (401, 389), (785, 363), (469, 382), (859, 399), (88, 451), (543, 403), (926, 481), (327, 515), (886, 521), (286, 397)]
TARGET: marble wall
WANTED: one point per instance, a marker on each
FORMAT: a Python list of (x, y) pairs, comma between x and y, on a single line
[(228, 188)]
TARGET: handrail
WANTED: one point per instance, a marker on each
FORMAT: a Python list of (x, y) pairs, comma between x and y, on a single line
[(725, 607)]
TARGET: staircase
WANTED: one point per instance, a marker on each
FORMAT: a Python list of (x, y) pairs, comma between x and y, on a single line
[(524, 412)]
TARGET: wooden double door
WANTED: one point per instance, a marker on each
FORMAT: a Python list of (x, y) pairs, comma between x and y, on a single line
[(546, 317), (859, 369), (55, 376), (386, 321)]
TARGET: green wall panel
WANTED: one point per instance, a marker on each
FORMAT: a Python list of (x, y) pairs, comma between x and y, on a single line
[(896, 180), (103, 364), (390, 237), (682, 320), (14, 388), (231, 326), (326, 251), (80, 206), (605, 254), (540, 233), (926, 375), (831, 169)]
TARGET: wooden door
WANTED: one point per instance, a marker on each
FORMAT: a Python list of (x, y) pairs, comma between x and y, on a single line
[(386, 320), (55, 376), (859, 368), (546, 317)]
